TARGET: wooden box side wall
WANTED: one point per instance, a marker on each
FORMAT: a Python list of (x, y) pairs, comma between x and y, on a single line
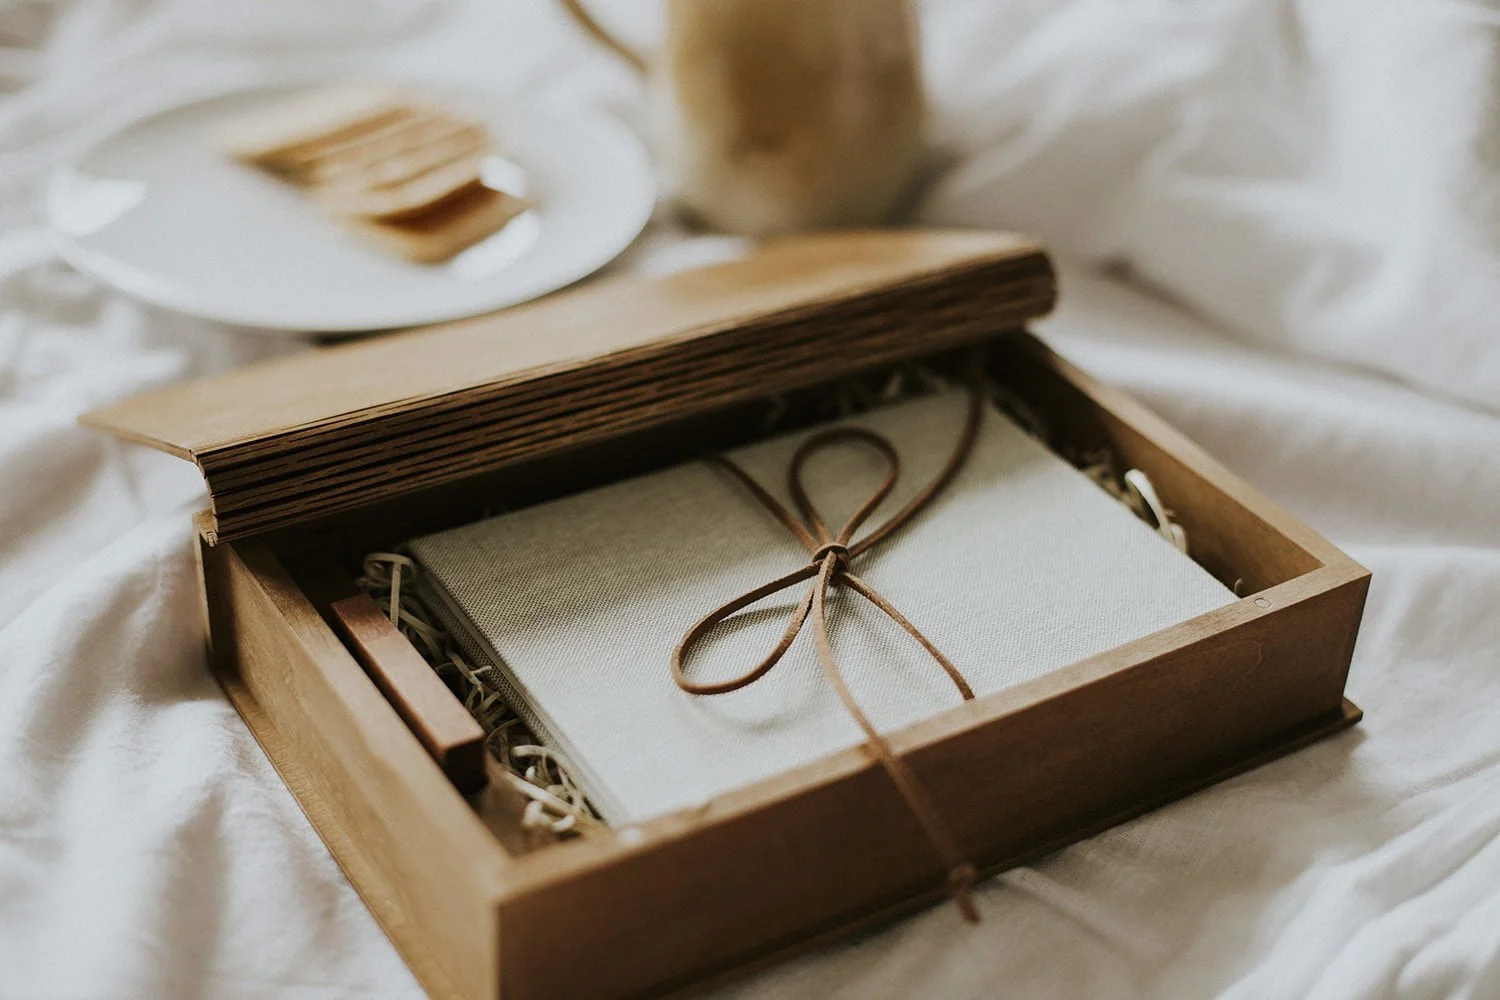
[(1195, 700), (420, 858), (758, 870), (1234, 532)]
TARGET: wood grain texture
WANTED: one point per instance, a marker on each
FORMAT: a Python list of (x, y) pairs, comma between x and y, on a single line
[(1041, 764), (556, 332), (1286, 743), (438, 719), (421, 859), (332, 430)]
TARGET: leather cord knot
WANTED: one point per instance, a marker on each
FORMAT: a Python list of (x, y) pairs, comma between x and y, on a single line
[(810, 529), (838, 550)]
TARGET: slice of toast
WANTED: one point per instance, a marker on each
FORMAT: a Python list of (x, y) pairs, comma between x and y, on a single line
[(399, 170), (410, 199), (281, 136), (446, 230), (401, 158)]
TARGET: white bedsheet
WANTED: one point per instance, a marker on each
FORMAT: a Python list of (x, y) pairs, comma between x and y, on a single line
[(1313, 181)]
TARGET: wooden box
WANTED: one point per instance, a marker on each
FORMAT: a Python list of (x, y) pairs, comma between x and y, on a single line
[(315, 459)]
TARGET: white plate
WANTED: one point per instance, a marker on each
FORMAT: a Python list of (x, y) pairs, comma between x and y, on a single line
[(157, 211)]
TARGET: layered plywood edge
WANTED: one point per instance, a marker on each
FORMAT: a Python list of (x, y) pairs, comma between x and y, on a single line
[(674, 905), (350, 426)]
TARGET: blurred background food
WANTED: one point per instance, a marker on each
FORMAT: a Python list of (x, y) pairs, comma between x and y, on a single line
[(392, 165)]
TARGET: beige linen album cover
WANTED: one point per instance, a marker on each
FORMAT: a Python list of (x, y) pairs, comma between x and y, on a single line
[(1020, 566)]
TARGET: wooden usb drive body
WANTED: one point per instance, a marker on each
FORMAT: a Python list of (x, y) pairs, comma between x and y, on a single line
[(437, 718)]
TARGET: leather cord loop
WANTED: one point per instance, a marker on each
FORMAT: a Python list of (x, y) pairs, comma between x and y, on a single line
[(830, 556)]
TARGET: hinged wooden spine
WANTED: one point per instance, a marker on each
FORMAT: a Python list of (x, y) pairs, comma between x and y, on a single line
[(350, 426)]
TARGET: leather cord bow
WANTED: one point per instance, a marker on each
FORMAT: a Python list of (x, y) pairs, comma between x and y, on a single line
[(831, 555)]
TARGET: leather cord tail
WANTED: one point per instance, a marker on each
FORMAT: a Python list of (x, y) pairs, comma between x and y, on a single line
[(830, 556)]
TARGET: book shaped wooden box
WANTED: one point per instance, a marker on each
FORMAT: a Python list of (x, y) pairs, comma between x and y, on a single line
[(316, 459)]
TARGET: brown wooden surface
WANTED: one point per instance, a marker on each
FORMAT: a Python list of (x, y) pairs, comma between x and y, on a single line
[(601, 319), (1286, 743), (421, 859), (301, 437), (438, 719), (1039, 764)]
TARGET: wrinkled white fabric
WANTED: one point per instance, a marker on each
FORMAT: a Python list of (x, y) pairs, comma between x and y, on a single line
[(1316, 175), (1314, 181)]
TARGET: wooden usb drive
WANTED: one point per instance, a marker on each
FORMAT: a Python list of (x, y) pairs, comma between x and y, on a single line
[(435, 716)]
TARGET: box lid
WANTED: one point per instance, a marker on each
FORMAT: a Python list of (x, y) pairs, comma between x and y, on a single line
[(343, 426)]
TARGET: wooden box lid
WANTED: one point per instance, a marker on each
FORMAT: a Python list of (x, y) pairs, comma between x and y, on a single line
[(337, 428)]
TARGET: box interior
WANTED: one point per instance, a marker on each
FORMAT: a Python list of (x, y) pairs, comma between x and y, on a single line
[(1239, 548)]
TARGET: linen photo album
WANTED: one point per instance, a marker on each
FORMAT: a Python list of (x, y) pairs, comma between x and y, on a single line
[(1018, 566)]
